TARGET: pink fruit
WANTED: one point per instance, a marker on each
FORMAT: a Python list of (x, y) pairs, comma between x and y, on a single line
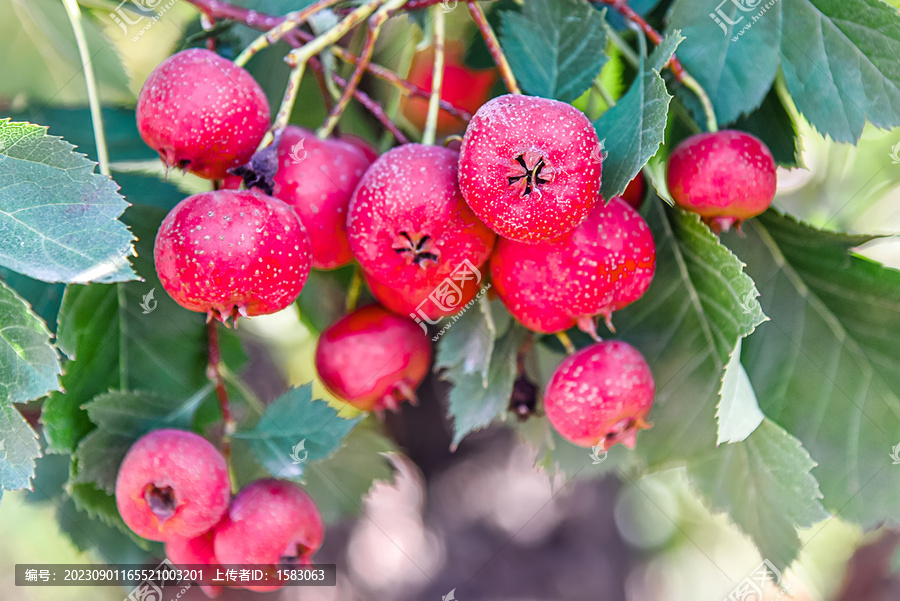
[(373, 359), (232, 253), (202, 113), (530, 167), (601, 266), (172, 484), (271, 523), (725, 177), (408, 224), (317, 178), (195, 551), (602, 394), (635, 191)]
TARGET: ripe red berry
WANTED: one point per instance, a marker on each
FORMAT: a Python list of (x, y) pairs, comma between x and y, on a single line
[(725, 177), (195, 551), (271, 523), (603, 265), (172, 484), (424, 304), (635, 191), (373, 359), (602, 394), (317, 178), (229, 253), (529, 167), (408, 224), (202, 113), (462, 86)]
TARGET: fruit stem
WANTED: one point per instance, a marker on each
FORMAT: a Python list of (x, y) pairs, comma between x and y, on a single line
[(566, 342), (90, 81), (298, 58), (214, 373), (354, 289), (694, 86), (493, 44), (291, 20), (385, 12), (437, 78)]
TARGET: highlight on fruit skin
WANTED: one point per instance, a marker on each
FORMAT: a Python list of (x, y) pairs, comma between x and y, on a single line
[(726, 177), (529, 167), (202, 113), (373, 359), (232, 253), (601, 395)]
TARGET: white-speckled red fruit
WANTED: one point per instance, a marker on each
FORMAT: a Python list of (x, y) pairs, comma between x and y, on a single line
[(317, 178), (408, 223), (416, 302), (725, 177), (601, 266), (529, 167), (232, 253), (202, 113), (601, 394), (373, 359)]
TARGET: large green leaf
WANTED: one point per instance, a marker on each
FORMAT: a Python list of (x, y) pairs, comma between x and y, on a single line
[(765, 485), (47, 67), (296, 429), (555, 47), (738, 413), (108, 334), (840, 58), (57, 217), (826, 368), (633, 129)]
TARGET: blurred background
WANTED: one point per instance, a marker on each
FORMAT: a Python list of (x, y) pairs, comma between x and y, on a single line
[(483, 522)]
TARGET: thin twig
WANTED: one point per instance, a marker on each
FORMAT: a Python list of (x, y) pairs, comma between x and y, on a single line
[(437, 79), (493, 44), (291, 20), (214, 373)]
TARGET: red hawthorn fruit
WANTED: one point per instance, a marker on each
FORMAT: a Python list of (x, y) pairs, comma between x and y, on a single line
[(601, 266), (270, 523), (232, 253), (317, 178), (408, 224), (463, 87), (196, 551), (725, 177), (635, 191), (373, 359), (172, 484), (202, 113), (530, 167), (601, 395), (424, 305)]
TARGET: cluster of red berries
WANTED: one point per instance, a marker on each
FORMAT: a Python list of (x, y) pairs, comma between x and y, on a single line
[(173, 486), (520, 199)]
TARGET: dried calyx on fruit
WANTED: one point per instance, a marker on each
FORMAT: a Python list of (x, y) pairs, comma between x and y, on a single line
[(530, 167)]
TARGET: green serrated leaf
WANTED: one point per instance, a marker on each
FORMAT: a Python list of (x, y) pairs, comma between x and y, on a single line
[(826, 367), (772, 124), (468, 345), (338, 483), (555, 47), (57, 217), (105, 339), (633, 130), (19, 449), (29, 365), (296, 429), (764, 483), (738, 413), (474, 405)]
